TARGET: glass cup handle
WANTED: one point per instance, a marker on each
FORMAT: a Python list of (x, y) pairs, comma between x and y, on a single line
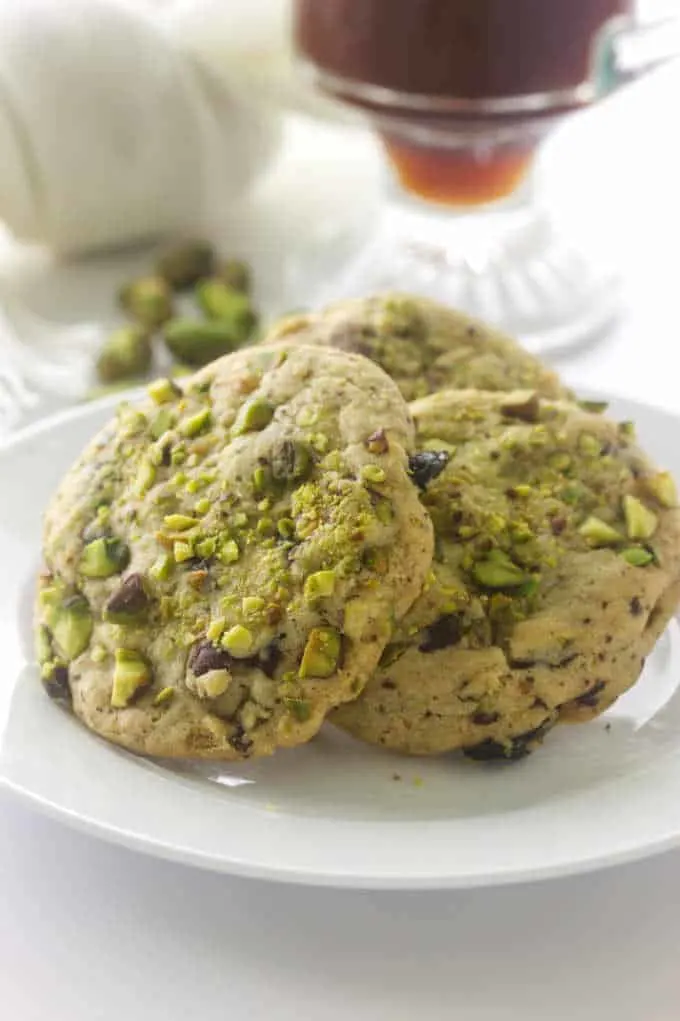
[(629, 48)]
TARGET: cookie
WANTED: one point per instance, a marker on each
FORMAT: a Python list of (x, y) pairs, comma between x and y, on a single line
[(423, 346), (556, 568), (225, 563)]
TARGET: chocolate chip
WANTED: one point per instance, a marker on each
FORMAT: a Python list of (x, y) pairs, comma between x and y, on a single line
[(270, 657), (517, 748), (589, 698), (635, 606), (557, 525), (390, 685), (57, 686), (444, 632), (130, 598), (485, 719), (427, 465), (205, 656), (239, 742)]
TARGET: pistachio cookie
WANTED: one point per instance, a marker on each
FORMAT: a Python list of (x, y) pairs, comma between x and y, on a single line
[(556, 568), (422, 345), (225, 563)]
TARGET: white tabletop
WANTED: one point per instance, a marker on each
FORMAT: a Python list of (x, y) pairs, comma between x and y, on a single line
[(90, 931)]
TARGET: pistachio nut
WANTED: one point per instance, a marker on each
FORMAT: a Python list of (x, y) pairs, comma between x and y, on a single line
[(291, 462), (319, 585), (163, 391), (636, 556), (71, 626), (599, 533), (196, 343), (222, 303), (253, 416), (185, 264), (321, 654), (640, 521), (661, 486), (125, 355), (524, 406), (499, 571), (147, 300), (103, 557), (235, 274), (131, 673), (237, 641)]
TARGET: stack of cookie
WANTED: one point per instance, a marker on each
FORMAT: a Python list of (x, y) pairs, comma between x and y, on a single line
[(283, 539)]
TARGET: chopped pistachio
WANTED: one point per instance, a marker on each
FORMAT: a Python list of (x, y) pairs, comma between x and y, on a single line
[(131, 673), (662, 487), (98, 654), (178, 455), (161, 422), (595, 407), (235, 274), (203, 506), (261, 480), (321, 653), (254, 416), (239, 520), (72, 626), (291, 461), (589, 445), (319, 585), (521, 490), (164, 696), (162, 391), (197, 423), (146, 476), (161, 567), (640, 521), (252, 605), (182, 551), (206, 548), (211, 684), (559, 461), (599, 533), (179, 522), (228, 553), (319, 442), (498, 571), (43, 645), (372, 473), (636, 556), (627, 430), (216, 629), (265, 527), (238, 641), (286, 528), (299, 708), (308, 416), (103, 557)]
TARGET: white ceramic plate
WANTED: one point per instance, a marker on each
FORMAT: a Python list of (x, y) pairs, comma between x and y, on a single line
[(336, 812)]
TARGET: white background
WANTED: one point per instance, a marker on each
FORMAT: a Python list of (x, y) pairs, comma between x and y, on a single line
[(89, 931)]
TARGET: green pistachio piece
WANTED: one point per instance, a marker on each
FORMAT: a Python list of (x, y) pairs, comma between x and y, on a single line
[(235, 274), (589, 445), (627, 430), (182, 551), (595, 407), (211, 684), (636, 556), (237, 641), (44, 649), (252, 605), (163, 391), (662, 487), (216, 629), (640, 521), (228, 553), (161, 568), (599, 533), (179, 522), (72, 626), (164, 696), (146, 476), (319, 585), (298, 708), (195, 425), (103, 557), (148, 300), (196, 342), (125, 355), (373, 474), (131, 673), (206, 548), (498, 571), (254, 416), (265, 527), (321, 654), (129, 603), (203, 506), (185, 264), (164, 420), (286, 528), (559, 461), (220, 302)]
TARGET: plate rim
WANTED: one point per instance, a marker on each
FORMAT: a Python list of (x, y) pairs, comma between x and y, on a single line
[(190, 855)]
